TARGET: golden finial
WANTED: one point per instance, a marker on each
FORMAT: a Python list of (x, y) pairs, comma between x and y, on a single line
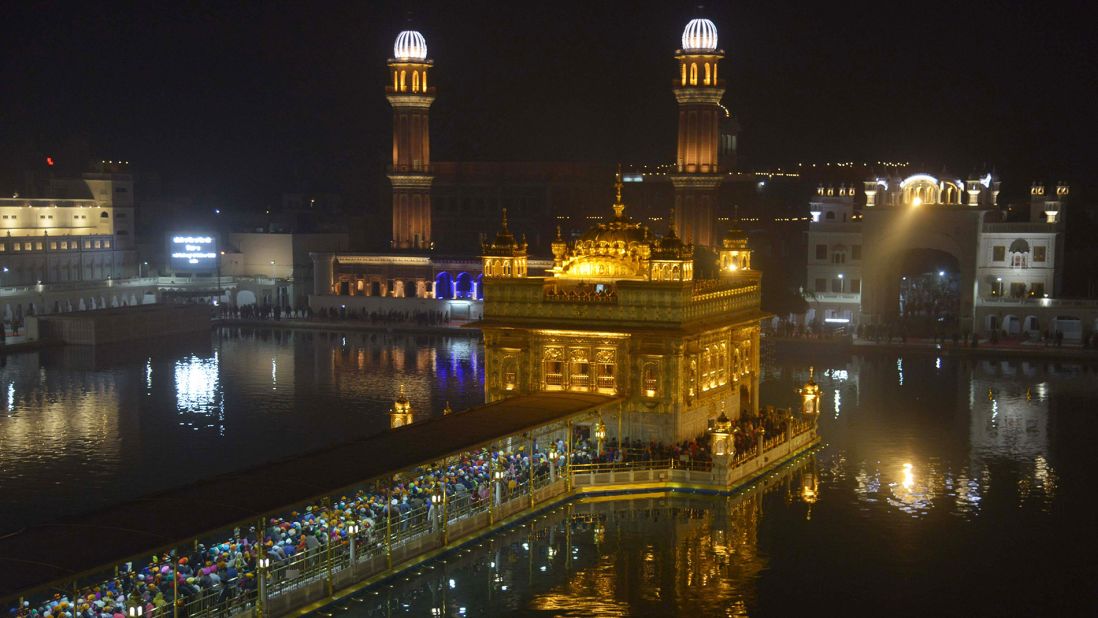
[(618, 206), (617, 184), (559, 238)]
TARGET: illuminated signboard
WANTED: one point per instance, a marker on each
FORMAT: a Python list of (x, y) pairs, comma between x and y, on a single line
[(193, 252)]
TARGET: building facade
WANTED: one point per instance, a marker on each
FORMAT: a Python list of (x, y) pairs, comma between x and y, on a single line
[(940, 248), (621, 312), (84, 231)]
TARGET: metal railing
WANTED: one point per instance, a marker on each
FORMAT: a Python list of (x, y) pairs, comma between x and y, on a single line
[(397, 539)]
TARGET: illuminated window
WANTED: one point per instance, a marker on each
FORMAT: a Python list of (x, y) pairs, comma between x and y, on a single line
[(510, 374), (684, 74), (423, 84), (402, 88), (396, 80), (714, 73), (693, 74), (707, 76), (415, 81), (98, 245), (15, 247), (37, 246), (53, 246), (106, 244), (650, 378), (553, 362), (580, 376)]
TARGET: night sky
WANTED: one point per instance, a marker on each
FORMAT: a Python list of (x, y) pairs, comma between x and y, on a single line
[(248, 101)]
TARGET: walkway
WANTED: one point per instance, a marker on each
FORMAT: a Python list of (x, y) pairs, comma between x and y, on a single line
[(34, 556)]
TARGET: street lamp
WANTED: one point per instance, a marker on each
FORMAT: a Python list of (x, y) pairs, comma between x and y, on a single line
[(263, 563), (600, 434), (553, 454), (133, 600), (436, 506), (810, 395), (499, 484), (721, 430), (272, 269), (352, 530)]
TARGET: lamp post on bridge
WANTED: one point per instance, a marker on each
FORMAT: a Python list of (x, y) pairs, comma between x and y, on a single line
[(352, 530), (263, 565), (600, 435)]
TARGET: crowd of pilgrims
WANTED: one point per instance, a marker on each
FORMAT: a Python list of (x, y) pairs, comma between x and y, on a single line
[(221, 572), (276, 312)]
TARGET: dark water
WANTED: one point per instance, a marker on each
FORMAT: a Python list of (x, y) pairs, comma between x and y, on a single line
[(82, 430), (946, 486)]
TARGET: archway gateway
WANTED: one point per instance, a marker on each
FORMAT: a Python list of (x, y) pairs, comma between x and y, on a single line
[(929, 298)]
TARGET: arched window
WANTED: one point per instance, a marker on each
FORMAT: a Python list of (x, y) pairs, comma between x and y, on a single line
[(104, 215), (684, 74), (707, 76), (423, 82), (714, 73), (650, 377), (415, 81), (693, 74), (402, 85), (507, 269), (396, 80)]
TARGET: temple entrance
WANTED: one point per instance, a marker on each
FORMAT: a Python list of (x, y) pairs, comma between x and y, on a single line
[(930, 293)]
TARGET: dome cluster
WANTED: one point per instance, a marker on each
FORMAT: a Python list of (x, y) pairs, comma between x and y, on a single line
[(410, 45), (699, 35)]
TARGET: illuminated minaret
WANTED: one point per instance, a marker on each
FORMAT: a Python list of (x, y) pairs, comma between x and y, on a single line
[(411, 97), (698, 90)]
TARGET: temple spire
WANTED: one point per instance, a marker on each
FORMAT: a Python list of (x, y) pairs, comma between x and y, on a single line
[(504, 221), (619, 208)]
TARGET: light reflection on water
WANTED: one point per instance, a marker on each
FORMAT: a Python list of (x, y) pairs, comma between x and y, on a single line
[(98, 426), (997, 468), (652, 556)]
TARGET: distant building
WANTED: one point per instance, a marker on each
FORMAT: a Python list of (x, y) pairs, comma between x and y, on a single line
[(938, 248), (80, 229)]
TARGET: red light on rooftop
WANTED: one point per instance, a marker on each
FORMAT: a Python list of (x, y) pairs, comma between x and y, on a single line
[(49, 161)]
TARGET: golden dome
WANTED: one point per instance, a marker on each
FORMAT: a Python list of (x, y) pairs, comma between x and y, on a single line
[(616, 248)]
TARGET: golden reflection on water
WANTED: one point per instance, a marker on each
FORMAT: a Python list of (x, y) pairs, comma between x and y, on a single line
[(706, 562)]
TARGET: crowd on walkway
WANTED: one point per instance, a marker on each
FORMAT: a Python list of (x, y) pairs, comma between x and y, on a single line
[(275, 312), (225, 571)]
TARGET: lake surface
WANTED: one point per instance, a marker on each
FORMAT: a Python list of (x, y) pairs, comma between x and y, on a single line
[(945, 485)]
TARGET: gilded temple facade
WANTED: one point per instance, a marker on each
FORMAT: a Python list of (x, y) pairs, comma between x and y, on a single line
[(622, 313)]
